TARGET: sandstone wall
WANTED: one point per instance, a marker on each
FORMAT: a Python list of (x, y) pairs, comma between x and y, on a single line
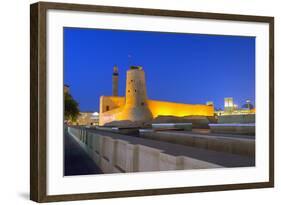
[(157, 108)]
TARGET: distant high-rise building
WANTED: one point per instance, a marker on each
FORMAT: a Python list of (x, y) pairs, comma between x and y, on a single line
[(248, 105), (228, 104), (230, 108)]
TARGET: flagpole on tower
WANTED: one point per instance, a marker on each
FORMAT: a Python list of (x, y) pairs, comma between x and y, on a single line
[(130, 60)]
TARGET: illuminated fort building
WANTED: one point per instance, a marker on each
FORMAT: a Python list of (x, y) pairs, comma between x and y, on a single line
[(136, 107)]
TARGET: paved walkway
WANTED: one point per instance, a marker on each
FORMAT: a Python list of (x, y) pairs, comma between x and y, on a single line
[(76, 160)]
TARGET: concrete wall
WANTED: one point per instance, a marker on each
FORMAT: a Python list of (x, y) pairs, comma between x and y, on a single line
[(200, 122), (244, 129), (240, 146), (119, 156), (237, 119), (184, 126)]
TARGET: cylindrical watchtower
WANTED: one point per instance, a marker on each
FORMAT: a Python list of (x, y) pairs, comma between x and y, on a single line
[(115, 81), (136, 108)]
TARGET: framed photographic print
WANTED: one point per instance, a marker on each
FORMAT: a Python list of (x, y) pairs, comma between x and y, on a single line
[(134, 102)]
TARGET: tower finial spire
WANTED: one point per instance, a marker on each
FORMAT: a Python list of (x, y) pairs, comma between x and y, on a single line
[(115, 69)]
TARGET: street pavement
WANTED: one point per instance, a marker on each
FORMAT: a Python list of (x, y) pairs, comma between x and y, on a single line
[(76, 160)]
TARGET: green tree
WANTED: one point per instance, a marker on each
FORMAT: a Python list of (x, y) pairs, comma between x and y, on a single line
[(71, 108)]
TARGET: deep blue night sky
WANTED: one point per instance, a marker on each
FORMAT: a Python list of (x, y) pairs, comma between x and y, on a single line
[(187, 68)]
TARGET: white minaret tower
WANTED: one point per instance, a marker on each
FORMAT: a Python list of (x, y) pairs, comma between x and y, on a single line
[(115, 81), (136, 108)]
